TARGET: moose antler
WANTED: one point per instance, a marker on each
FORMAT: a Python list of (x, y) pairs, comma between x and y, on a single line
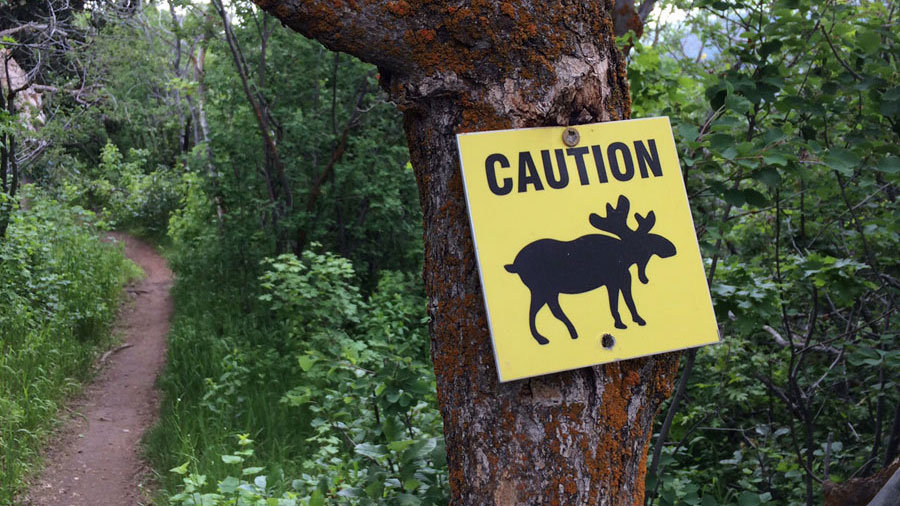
[(645, 223), (616, 218)]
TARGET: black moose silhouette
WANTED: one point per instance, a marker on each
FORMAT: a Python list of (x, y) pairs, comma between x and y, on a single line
[(549, 267)]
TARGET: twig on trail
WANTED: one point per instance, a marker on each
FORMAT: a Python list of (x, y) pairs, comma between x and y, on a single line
[(76, 414), (116, 350)]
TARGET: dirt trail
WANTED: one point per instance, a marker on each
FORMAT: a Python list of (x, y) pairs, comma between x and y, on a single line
[(96, 460)]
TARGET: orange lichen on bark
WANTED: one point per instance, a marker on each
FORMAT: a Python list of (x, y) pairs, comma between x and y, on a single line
[(641, 478), (425, 35), (480, 117), (399, 8)]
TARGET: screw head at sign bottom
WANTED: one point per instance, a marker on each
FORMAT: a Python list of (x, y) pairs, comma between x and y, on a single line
[(608, 341)]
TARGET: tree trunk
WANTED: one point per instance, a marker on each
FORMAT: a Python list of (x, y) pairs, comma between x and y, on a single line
[(574, 438), (199, 64)]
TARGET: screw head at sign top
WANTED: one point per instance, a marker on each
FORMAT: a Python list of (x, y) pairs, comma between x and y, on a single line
[(571, 137)]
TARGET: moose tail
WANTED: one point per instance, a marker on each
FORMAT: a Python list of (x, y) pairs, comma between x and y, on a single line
[(511, 268)]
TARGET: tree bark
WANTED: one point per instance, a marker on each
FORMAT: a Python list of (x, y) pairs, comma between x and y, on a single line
[(574, 438)]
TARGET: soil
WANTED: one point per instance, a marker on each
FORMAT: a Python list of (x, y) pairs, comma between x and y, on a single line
[(96, 458)]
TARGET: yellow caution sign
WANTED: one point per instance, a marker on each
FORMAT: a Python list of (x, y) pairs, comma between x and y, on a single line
[(585, 245)]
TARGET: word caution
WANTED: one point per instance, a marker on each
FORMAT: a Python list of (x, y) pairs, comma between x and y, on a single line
[(591, 164)]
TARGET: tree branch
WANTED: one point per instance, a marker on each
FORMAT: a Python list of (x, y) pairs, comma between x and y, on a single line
[(28, 26), (780, 341), (838, 56), (373, 31)]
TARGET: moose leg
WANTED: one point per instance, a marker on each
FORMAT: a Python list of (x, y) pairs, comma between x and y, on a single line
[(558, 313), (536, 305), (629, 301), (614, 307)]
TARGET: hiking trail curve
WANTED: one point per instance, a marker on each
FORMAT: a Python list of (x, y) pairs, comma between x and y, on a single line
[(95, 459)]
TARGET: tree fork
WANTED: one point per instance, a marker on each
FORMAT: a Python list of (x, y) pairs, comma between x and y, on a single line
[(574, 438)]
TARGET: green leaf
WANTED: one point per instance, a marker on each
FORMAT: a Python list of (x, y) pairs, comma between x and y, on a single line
[(370, 450), (775, 159), (720, 142), (890, 102), (317, 498), (182, 469), (306, 362), (407, 500), (229, 485), (419, 450), (688, 132), (734, 197), (868, 40), (352, 492), (842, 160), (755, 198), (768, 176), (748, 499), (374, 490), (252, 470), (889, 164), (391, 429), (399, 446), (737, 104), (232, 459)]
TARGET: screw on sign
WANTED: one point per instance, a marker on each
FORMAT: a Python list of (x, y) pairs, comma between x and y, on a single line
[(554, 270)]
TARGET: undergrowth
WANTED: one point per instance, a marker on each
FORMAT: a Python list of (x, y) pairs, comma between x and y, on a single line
[(59, 292), (333, 387)]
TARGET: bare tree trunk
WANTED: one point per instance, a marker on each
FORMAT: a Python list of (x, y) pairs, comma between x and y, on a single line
[(176, 67), (574, 438), (9, 172), (199, 64)]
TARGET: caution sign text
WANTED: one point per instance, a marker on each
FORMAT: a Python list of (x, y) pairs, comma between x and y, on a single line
[(587, 253)]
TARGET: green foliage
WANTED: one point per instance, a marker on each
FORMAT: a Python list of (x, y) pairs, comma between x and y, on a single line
[(323, 364), (367, 206), (55, 316), (125, 194), (784, 115), (233, 490), (365, 381), (337, 387)]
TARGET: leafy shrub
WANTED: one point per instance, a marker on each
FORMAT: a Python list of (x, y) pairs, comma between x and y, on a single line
[(365, 381), (353, 375), (125, 193), (234, 490)]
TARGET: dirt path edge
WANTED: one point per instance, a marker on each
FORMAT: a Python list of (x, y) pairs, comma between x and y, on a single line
[(96, 458)]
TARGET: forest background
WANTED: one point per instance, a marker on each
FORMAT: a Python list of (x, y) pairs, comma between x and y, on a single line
[(275, 175)]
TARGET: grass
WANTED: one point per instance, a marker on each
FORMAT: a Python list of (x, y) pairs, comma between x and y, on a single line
[(223, 377)]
